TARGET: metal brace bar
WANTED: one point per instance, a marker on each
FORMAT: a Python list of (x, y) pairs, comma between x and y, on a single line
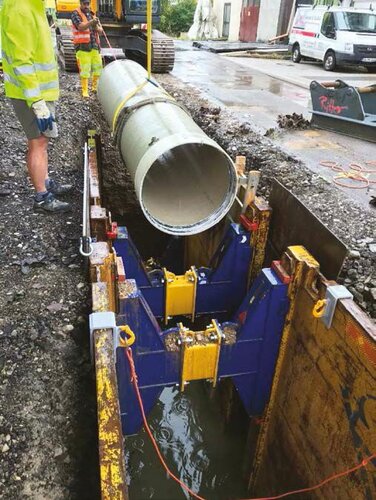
[(333, 294), (103, 321), (86, 248)]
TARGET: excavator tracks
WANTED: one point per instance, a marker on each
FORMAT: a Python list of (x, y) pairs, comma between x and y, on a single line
[(163, 56), (66, 53), (163, 51)]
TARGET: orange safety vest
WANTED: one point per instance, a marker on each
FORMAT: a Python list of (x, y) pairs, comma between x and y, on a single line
[(81, 36)]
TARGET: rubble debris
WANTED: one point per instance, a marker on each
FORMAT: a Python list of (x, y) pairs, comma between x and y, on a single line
[(171, 342), (293, 122)]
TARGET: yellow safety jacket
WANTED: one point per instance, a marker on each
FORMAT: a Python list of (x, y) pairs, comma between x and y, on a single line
[(29, 63)]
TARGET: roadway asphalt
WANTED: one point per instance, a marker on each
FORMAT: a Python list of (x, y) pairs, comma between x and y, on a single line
[(258, 90)]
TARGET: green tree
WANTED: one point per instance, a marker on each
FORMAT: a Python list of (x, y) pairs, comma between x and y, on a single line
[(177, 18)]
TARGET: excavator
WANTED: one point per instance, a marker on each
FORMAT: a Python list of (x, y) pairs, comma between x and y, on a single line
[(119, 19)]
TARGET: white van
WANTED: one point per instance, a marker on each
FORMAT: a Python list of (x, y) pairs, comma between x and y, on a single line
[(335, 36)]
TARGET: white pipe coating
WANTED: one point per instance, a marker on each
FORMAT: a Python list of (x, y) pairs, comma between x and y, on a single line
[(184, 181)]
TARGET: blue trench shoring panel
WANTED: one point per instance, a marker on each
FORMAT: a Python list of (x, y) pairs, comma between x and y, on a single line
[(220, 287), (250, 361)]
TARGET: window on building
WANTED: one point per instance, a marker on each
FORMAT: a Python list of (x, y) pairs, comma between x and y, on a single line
[(251, 3)]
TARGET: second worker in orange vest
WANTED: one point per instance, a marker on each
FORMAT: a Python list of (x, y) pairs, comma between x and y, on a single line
[(86, 29)]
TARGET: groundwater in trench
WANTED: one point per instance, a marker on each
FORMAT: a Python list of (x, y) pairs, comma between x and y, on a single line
[(202, 451), (205, 449)]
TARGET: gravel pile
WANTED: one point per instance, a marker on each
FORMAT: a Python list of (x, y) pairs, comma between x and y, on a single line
[(353, 224), (47, 392)]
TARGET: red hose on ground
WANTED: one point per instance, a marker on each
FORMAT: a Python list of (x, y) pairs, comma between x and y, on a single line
[(134, 380), (354, 174)]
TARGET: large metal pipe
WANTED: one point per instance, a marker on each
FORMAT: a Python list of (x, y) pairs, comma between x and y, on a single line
[(184, 181)]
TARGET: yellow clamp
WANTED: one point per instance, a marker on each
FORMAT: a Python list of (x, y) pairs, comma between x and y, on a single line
[(319, 308), (130, 336)]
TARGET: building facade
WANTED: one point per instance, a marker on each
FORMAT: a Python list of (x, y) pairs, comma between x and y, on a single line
[(251, 20), (228, 18)]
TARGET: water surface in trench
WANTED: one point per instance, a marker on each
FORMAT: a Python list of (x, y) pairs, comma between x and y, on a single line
[(204, 453)]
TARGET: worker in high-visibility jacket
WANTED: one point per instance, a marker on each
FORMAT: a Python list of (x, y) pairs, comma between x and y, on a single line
[(1, 6), (31, 82), (86, 29)]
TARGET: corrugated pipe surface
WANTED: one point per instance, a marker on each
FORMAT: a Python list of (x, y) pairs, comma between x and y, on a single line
[(184, 181)]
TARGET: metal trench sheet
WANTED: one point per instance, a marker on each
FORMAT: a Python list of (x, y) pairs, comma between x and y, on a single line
[(292, 223)]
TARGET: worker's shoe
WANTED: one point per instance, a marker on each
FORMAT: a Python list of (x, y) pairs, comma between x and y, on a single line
[(49, 204), (85, 87), (94, 84), (55, 187)]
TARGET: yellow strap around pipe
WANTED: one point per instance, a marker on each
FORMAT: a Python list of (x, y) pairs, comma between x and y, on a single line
[(123, 101), (149, 21)]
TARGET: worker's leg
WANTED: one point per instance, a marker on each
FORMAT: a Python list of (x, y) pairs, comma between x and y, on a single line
[(37, 162), (37, 159), (84, 65), (96, 67)]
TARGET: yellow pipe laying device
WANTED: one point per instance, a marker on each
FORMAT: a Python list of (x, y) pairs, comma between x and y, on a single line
[(200, 353), (180, 294)]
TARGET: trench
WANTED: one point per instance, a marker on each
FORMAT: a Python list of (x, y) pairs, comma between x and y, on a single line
[(203, 433)]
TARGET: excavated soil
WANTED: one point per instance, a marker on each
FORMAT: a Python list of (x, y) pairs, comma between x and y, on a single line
[(47, 391)]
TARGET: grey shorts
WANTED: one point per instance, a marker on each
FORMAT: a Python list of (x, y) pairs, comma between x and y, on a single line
[(28, 121)]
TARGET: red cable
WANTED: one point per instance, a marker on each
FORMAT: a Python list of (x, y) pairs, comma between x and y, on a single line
[(325, 481), (356, 167), (128, 352), (107, 40), (147, 428), (359, 168)]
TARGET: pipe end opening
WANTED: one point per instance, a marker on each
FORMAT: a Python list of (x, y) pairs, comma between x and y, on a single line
[(189, 189)]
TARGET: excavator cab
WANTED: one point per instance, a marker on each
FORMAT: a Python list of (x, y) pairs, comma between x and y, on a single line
[(65, 8), (129, 11), (135, 11)]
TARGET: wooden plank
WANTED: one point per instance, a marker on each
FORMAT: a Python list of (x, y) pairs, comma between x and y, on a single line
[(103, 269), (98, 223), (259, 212), (93, 178)]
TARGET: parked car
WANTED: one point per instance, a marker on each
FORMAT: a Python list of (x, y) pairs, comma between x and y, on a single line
[(335, 36)]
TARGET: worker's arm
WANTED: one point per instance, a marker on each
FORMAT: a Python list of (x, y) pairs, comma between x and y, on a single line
[(82, 26), (85, 26)]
